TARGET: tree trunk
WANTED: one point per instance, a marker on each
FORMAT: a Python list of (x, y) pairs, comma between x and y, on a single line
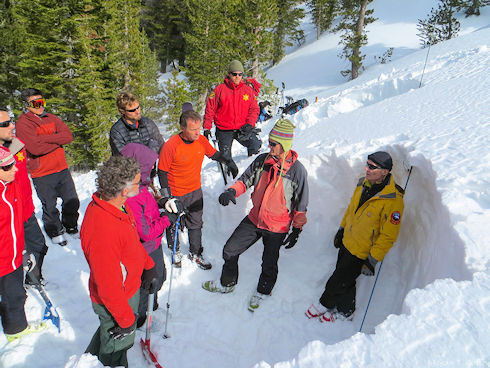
[(357, 48)]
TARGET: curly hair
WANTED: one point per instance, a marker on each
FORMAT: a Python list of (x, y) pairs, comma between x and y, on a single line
[(116, 174), (124, 99)]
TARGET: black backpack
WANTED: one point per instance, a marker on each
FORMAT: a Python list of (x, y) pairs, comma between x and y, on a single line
[(294, 107)]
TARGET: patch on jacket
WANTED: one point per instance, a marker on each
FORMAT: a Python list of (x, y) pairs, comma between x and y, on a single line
[(20, 156), (212, 95), (395, 218), (245, 97)]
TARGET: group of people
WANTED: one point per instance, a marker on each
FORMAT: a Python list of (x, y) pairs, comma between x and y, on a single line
[(122, 229)]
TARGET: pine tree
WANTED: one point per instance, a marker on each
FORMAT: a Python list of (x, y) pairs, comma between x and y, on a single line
[(175, 94), (287, 30), (441, 24), (323, 13), (472, 7), (355, 18)]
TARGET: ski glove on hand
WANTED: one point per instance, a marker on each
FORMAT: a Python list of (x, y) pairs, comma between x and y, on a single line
[(245, 132), (292, 238), (337, 241), (172, 205), (119, 333), (368, 266), (233, 168), (28, 261), (148, 279), (207, 133), (227, 196), (172, 217)]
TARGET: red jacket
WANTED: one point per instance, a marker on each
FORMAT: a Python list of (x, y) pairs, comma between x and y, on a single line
[(116, 258), (230, 106), (44, 136), (11, 228), (21, 176)]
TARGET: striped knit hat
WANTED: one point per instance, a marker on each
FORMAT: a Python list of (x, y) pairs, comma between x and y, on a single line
[(6, 158), (283, 133)]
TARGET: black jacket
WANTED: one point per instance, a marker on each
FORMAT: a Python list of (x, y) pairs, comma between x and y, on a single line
[(147, 134)]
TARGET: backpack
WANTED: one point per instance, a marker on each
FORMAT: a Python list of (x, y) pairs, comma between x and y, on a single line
[(265, 111), (294, 107)]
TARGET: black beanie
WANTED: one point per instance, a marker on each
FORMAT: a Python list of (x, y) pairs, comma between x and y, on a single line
[(382, 159)]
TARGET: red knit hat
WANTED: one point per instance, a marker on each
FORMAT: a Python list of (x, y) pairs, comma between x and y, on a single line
[(6, 158)]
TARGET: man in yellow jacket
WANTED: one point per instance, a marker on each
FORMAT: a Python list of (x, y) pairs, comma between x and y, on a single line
[(367, 232)]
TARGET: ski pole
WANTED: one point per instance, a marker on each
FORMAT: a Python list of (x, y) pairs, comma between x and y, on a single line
[(177, 225), (426, 57), (369, 301), (220, 165), (146, 343), (409, 173)]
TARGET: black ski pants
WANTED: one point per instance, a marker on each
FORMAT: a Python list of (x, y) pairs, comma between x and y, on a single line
[(13, 297), (157, 256), (35, 243), (244, 236), (192, 220), (48, 189), (340, 290), (225, 140)]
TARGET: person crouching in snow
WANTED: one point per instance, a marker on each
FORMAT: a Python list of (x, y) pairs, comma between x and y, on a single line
[(118, 263), (280, 199), (149, 222), (12, 292), (367, 232)]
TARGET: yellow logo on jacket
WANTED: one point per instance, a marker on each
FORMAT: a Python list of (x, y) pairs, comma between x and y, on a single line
[(245, 97), (212, 95), (20, 156)]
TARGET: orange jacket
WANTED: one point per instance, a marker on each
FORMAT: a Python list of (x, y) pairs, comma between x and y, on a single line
[(44, 136)]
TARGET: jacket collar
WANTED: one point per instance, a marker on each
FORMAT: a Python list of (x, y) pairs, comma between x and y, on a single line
[(232, 85), (116, 212)]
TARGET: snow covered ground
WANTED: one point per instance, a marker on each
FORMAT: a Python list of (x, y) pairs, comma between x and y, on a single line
[(431, 304)]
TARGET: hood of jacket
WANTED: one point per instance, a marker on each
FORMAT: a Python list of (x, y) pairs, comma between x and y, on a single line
[(145, 156)]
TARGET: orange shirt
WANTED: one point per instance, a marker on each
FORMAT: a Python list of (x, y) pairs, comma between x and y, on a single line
[(183, 162)]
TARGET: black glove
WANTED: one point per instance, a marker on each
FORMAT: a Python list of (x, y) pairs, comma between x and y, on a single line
[(119, 333), (368, 266), (147, 278), (337, 241), (28, 261), (292, 238), (245, 131), (207, 133), (233, 168), (172, 217), (227, 196)]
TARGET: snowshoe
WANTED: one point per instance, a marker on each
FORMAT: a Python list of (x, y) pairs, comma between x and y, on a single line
[(31, 328), (255, 301), (216, 287), (200, 261), (315, 310)]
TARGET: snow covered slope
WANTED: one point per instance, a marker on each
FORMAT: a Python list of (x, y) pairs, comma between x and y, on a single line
[(431, 302)]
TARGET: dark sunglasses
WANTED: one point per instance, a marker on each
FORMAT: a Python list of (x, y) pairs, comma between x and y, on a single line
[(6, 123), (36, 104), (372, 167), (273, 144), (238, 74), (8, 167), (133, 110)]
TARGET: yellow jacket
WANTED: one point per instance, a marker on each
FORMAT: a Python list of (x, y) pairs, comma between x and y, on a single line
[(374, 227)]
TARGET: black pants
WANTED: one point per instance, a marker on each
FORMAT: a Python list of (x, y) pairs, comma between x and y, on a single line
[(225, 140), (48, 189), (244, 236), (340, 290), (13, 297), (35, 243), (194, 203), (157, 256)]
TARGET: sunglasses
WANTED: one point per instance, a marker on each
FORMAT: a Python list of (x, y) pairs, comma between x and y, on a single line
[(273, 144), (6, 123), (372, 167), (8, 167), (238, 74), (133, 110), (36, 104)]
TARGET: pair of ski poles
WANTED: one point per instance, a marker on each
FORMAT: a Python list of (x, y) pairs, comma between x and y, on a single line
[(381, 264)]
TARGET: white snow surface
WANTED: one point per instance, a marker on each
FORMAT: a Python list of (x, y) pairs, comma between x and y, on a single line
[(431, 304)]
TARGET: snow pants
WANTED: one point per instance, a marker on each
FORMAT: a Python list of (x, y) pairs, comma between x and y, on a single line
[(225, 140), (35, 244), (340, 290), (194, 203), (13, 297), (110, 352), (244, 236), (48, 189), (157, 256)]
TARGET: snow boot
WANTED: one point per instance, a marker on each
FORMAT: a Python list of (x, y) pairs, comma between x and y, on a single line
[(255, 301), (31, 328), (178, 259), (200, 261), (316, 310), (60, 239), (216, 287)]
